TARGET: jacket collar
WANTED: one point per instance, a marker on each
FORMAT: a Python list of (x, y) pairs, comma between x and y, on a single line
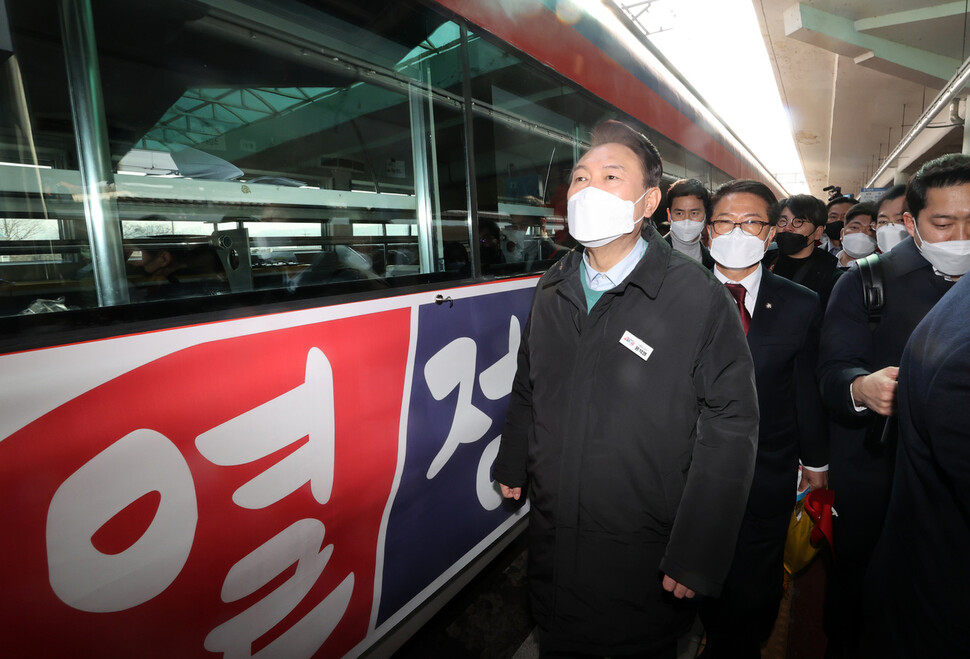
[(906, 257), (648, 275)]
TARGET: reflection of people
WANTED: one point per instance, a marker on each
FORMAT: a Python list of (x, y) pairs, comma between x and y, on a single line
[(783, 324), (916, 588), (858, 366), (338, 264), (633, 421), (456, 258), (490, 244), (526, 241), (179, 271)]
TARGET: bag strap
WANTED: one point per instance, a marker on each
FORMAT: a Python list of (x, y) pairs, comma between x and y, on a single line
[(873, 287)]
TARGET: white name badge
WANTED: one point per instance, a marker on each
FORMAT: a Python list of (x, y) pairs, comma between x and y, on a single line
[(638, 347)]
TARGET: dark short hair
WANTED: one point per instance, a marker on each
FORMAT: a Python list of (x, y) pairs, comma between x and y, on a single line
[(749, 186), (690, 187), (862, 208), (943, 172), (891, 194), (617, 132), (805, 207), (841, 199)]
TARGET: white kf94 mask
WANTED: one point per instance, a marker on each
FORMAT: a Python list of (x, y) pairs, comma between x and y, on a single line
[(597, 217)]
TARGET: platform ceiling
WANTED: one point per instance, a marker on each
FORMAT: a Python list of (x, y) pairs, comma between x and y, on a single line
[(857, 74)]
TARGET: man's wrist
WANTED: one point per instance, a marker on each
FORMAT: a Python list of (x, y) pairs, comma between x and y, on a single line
[(858, 408), (817, 469)]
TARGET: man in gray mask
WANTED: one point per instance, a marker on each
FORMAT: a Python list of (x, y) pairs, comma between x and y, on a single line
[(688, 203), (858, 366)]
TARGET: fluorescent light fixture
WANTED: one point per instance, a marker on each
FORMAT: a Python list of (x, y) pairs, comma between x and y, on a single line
[(20, 164)]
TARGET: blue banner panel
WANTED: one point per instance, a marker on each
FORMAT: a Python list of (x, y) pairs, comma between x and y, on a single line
[(446, 503)]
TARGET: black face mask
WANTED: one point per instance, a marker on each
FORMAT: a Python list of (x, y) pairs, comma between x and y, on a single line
[(834, 230), (790, 243)]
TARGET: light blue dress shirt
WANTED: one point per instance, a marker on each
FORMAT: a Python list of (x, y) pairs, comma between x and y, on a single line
[(604, 281)]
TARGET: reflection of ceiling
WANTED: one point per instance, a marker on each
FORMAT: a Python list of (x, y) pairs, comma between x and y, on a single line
[(205, 114), (855, 76)]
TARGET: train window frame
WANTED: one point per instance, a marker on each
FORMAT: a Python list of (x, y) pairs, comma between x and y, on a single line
[(286, 30)]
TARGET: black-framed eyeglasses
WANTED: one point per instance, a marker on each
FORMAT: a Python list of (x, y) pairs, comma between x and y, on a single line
[(795, 222), (724, 227)]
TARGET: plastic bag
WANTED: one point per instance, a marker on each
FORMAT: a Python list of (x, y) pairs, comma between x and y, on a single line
[(799, 550), (810, 524)]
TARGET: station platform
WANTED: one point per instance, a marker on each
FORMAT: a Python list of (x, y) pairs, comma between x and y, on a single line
[(490, 618)]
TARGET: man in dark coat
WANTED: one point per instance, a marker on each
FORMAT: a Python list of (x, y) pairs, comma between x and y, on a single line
[(796, 257), (916, 588), (858, 366), (783, 321), (633, 421), (688, 204)]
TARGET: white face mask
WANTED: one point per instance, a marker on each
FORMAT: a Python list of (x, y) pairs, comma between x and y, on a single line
[(737, 249), (597, 217), (890, 235), (858, 245), (948, 257), (686, 230)]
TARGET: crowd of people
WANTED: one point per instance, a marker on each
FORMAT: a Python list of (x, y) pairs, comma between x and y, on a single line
[(671, 389)]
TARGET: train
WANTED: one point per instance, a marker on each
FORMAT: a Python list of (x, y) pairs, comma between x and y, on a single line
[(263, 272)]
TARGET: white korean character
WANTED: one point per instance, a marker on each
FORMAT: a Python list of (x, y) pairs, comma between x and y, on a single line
[(299, 543), (305, 411), (142, 461)]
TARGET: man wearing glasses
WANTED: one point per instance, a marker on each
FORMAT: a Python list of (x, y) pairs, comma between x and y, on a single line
[(782, 321), (858, 235), (890, 229), (796, 258)]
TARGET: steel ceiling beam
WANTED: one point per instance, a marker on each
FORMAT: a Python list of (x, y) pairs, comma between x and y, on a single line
[(842, 36)]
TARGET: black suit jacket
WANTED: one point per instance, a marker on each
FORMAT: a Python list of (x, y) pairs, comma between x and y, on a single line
[(818, 272), (917, 584), (860, 471), (783, 339)]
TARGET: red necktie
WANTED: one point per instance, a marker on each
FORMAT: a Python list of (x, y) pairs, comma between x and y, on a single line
[(738, 291)]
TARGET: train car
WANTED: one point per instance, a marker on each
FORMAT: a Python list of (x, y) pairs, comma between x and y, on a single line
[(263, 272)]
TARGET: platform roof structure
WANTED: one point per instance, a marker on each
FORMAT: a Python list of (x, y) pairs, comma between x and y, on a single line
[(874, 89)]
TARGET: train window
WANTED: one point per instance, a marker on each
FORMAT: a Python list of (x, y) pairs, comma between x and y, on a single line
[(529, 129), (249, 147), (153, 150), (42, 253)]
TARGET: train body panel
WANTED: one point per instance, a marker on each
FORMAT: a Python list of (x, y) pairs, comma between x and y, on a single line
[(336, 477)]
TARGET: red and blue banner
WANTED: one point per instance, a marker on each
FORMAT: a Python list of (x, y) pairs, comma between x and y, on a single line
[(288, 485)]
